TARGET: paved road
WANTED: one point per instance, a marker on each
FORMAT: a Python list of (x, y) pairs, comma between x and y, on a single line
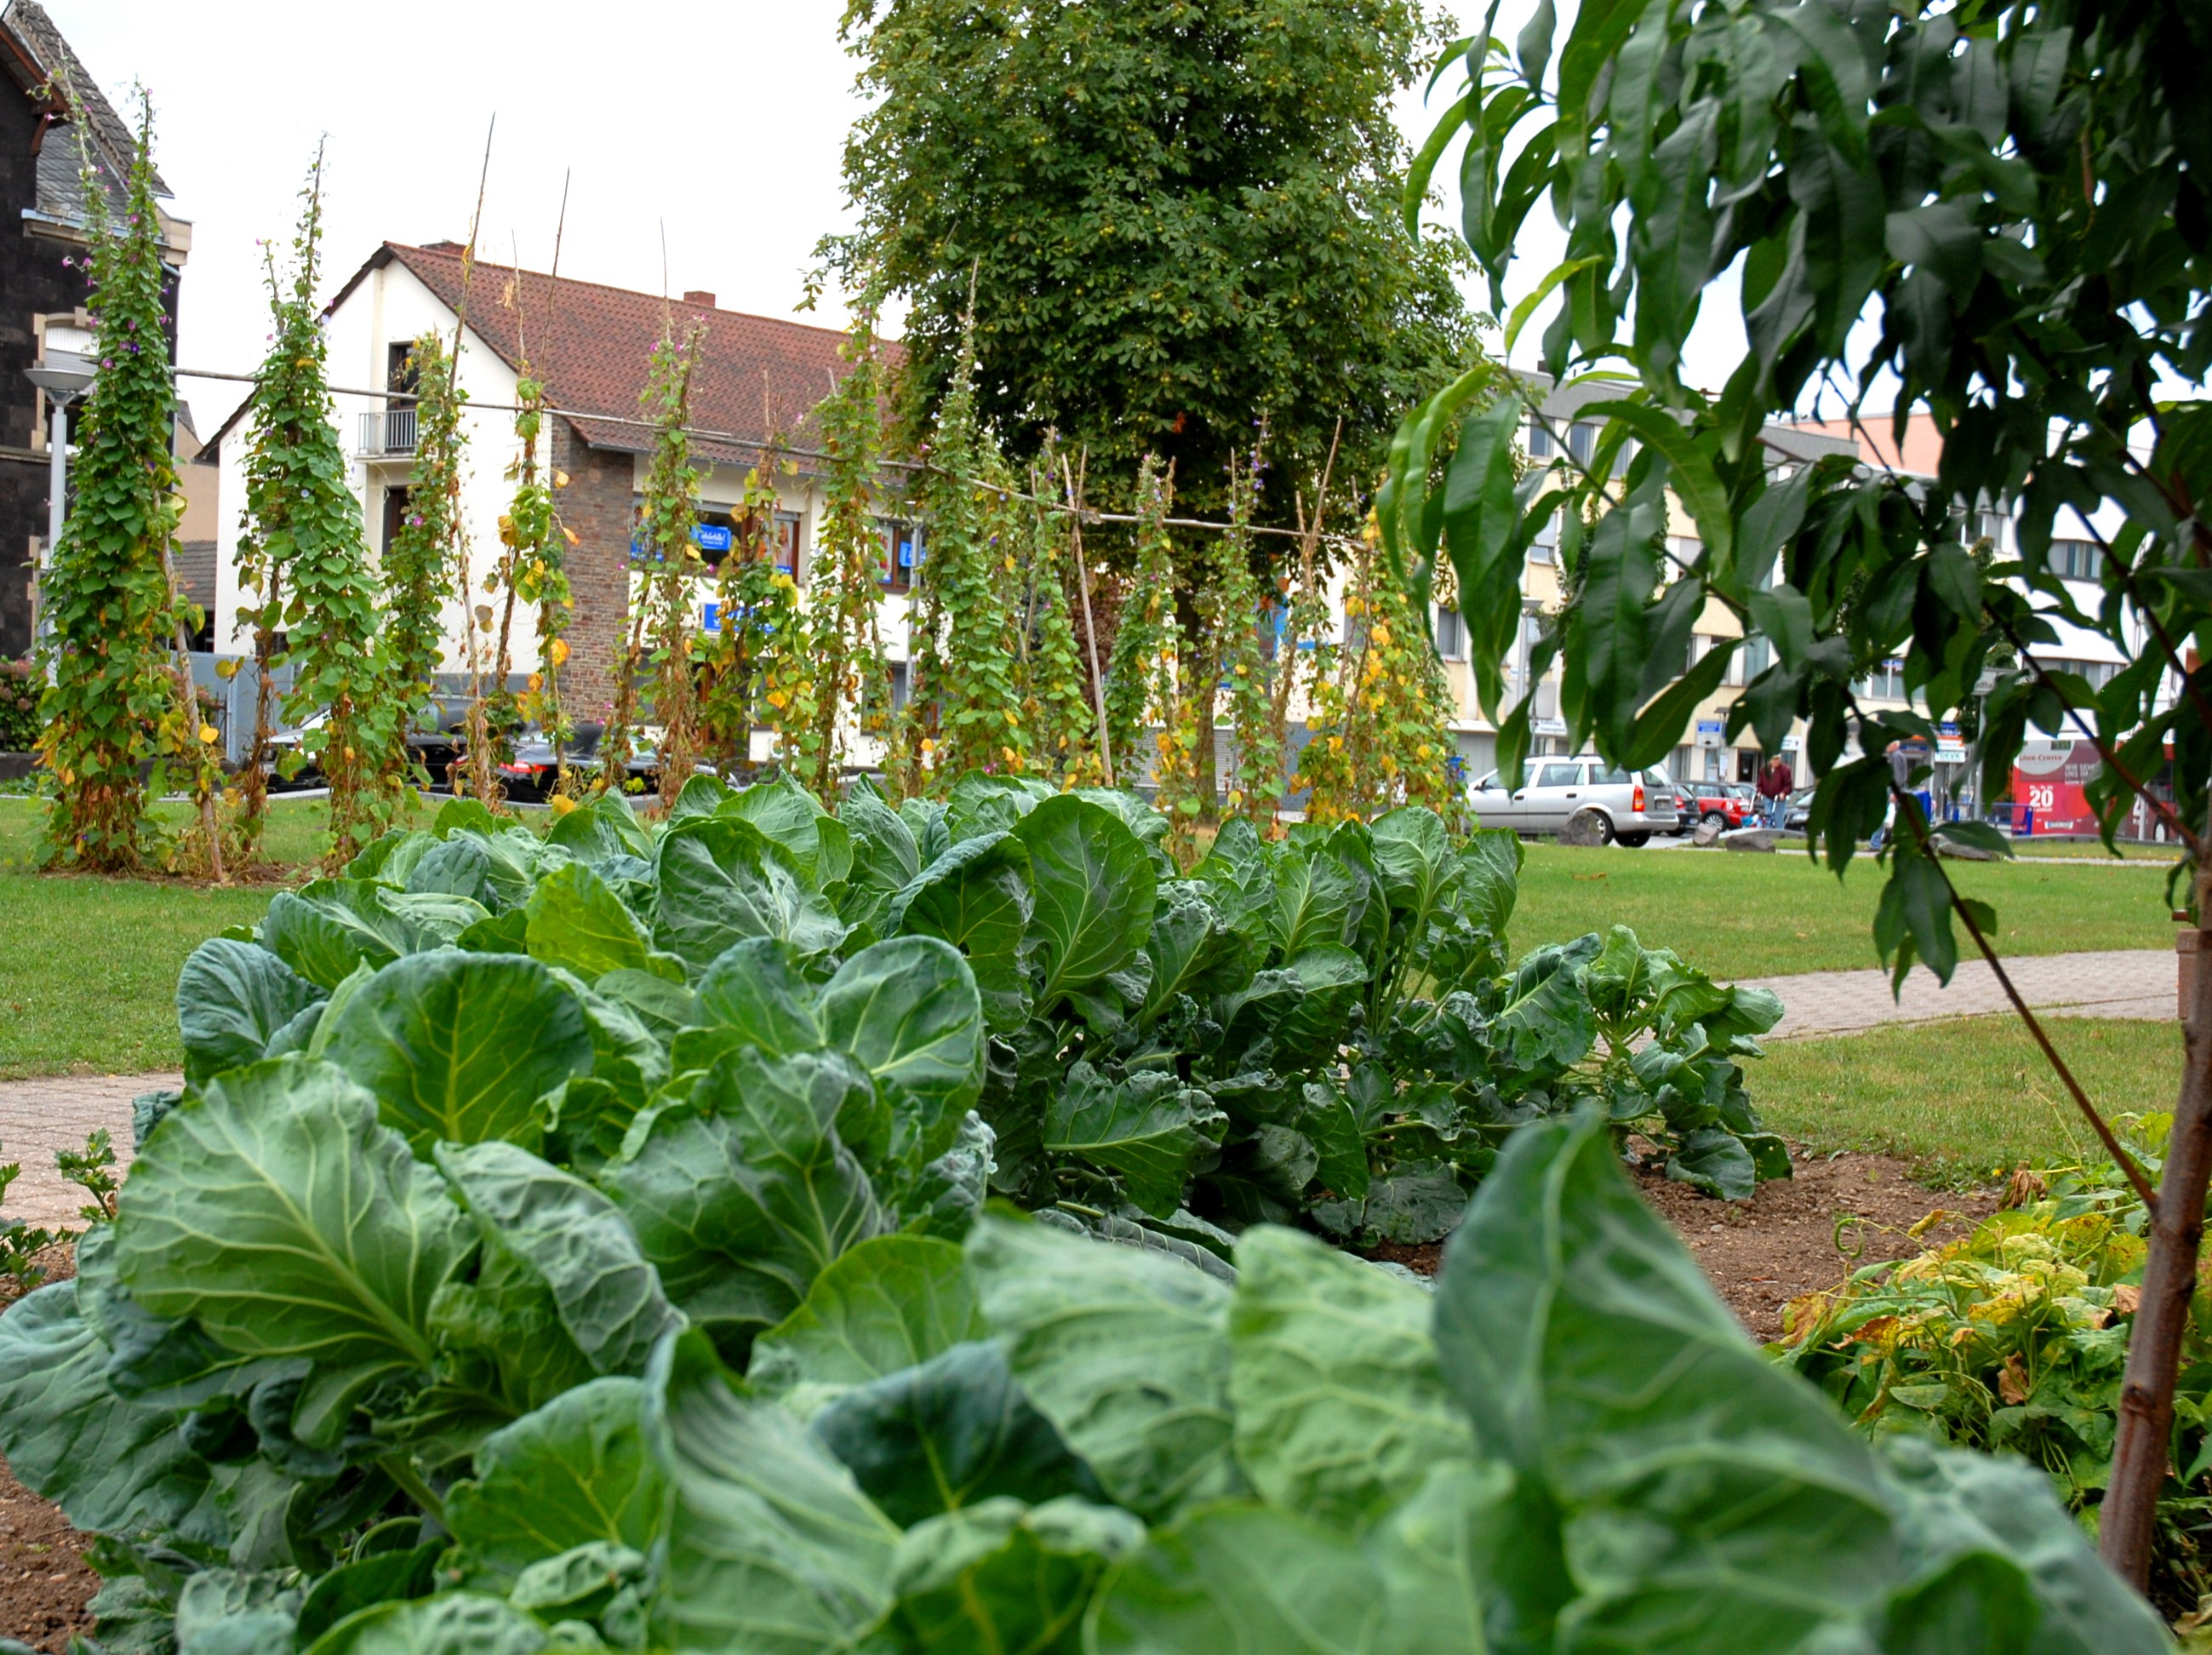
[(37, 1118)]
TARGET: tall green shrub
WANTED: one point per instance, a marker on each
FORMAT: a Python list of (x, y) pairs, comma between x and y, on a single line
[(113, 701), (757, 629), (305, 553)]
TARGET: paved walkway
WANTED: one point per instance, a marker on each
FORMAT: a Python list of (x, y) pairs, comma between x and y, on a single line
[(2119, 982), (38, 1117)]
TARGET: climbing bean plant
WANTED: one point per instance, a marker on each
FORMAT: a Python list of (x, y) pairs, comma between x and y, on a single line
[(756, 608), (670, 512), (422, 564), (845, 687), (113, 701), (1146, 630), (964, 712), (1378, 732), (305, 552)]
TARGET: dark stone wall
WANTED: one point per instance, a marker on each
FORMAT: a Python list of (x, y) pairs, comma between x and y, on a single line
[(33, 283)]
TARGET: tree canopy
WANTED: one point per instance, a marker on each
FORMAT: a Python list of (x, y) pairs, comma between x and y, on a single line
[(1178, 219), (2012, 199)]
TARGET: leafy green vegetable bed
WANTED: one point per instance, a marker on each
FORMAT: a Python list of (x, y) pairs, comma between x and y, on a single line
[(421, 1323)]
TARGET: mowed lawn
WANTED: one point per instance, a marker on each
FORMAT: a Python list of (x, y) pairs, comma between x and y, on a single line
[(88, 966), (1740, 915), (1969, 1099)]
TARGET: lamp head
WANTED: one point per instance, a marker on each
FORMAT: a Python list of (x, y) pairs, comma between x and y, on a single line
[(63, 375)]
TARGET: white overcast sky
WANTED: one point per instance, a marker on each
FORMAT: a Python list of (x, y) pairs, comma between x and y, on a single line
[(722, 120)]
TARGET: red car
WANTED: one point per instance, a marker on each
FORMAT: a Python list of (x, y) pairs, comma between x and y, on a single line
[(1730, 803)]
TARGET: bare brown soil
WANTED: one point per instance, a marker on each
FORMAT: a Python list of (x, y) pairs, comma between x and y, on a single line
[(1834, 1215)]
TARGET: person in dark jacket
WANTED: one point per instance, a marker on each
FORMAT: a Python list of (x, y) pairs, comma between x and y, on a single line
[(1775, 785)]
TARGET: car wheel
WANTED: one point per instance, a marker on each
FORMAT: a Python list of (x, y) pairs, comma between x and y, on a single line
[(1720, 815), (1633, 841)]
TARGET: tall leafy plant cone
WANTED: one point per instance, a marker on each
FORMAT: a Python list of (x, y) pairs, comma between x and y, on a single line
[(756, 628), (1249, 657), (1146, 632), (964, 711), (847, 690), (305, 554), (113, 701), (537, 544), (669, 514), (422, 566), (1378, 732), (1056, 711)]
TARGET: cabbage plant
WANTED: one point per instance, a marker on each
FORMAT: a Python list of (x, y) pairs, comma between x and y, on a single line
[(270, 1387)]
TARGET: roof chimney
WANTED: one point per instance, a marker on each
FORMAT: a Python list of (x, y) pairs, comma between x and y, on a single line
[(700, 297), (443, 247)]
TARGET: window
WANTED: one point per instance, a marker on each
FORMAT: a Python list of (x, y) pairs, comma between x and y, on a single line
[(902, 685), (1608, 776), (785, 545), (1757, 655), (395, 516), (1582, 438), (400, 373), (1541, 443), (2097, 673), (1451, 635), (1886, 682), (2074, 560), (1558, 775), (901, 555), (1545, 548)]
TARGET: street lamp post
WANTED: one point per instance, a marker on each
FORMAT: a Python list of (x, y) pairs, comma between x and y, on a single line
[(64, 376)]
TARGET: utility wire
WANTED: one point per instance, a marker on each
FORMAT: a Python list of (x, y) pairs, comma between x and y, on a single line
[(761, 446)]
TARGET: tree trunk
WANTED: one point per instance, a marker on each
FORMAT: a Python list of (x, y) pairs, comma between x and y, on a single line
[(2128, 1520)]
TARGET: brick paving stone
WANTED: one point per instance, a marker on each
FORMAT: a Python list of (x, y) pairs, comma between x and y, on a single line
[(58, 1111), (2116, 983)]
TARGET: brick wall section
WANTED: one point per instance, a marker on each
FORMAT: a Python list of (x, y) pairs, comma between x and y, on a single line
[(596, 505)]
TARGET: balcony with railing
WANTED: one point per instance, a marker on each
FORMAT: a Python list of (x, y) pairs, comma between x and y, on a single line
[(387, 433)]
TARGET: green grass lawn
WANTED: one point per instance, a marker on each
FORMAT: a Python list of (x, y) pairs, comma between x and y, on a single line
[(1967, 1099), (88, 966), (2093, 850), (1738, 914)]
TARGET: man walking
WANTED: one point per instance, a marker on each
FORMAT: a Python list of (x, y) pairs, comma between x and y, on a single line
[(1775, 783)]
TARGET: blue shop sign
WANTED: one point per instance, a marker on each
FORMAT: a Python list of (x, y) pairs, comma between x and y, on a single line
[(712, 537)]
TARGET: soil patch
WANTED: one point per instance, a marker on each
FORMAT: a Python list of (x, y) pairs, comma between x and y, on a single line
[(45, 1582), (1837, 1213)]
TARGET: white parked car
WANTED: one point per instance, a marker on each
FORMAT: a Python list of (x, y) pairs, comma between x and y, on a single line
[(1631, 805)]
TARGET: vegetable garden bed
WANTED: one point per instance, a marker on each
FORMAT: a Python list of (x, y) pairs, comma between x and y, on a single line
[(502, 1160)]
